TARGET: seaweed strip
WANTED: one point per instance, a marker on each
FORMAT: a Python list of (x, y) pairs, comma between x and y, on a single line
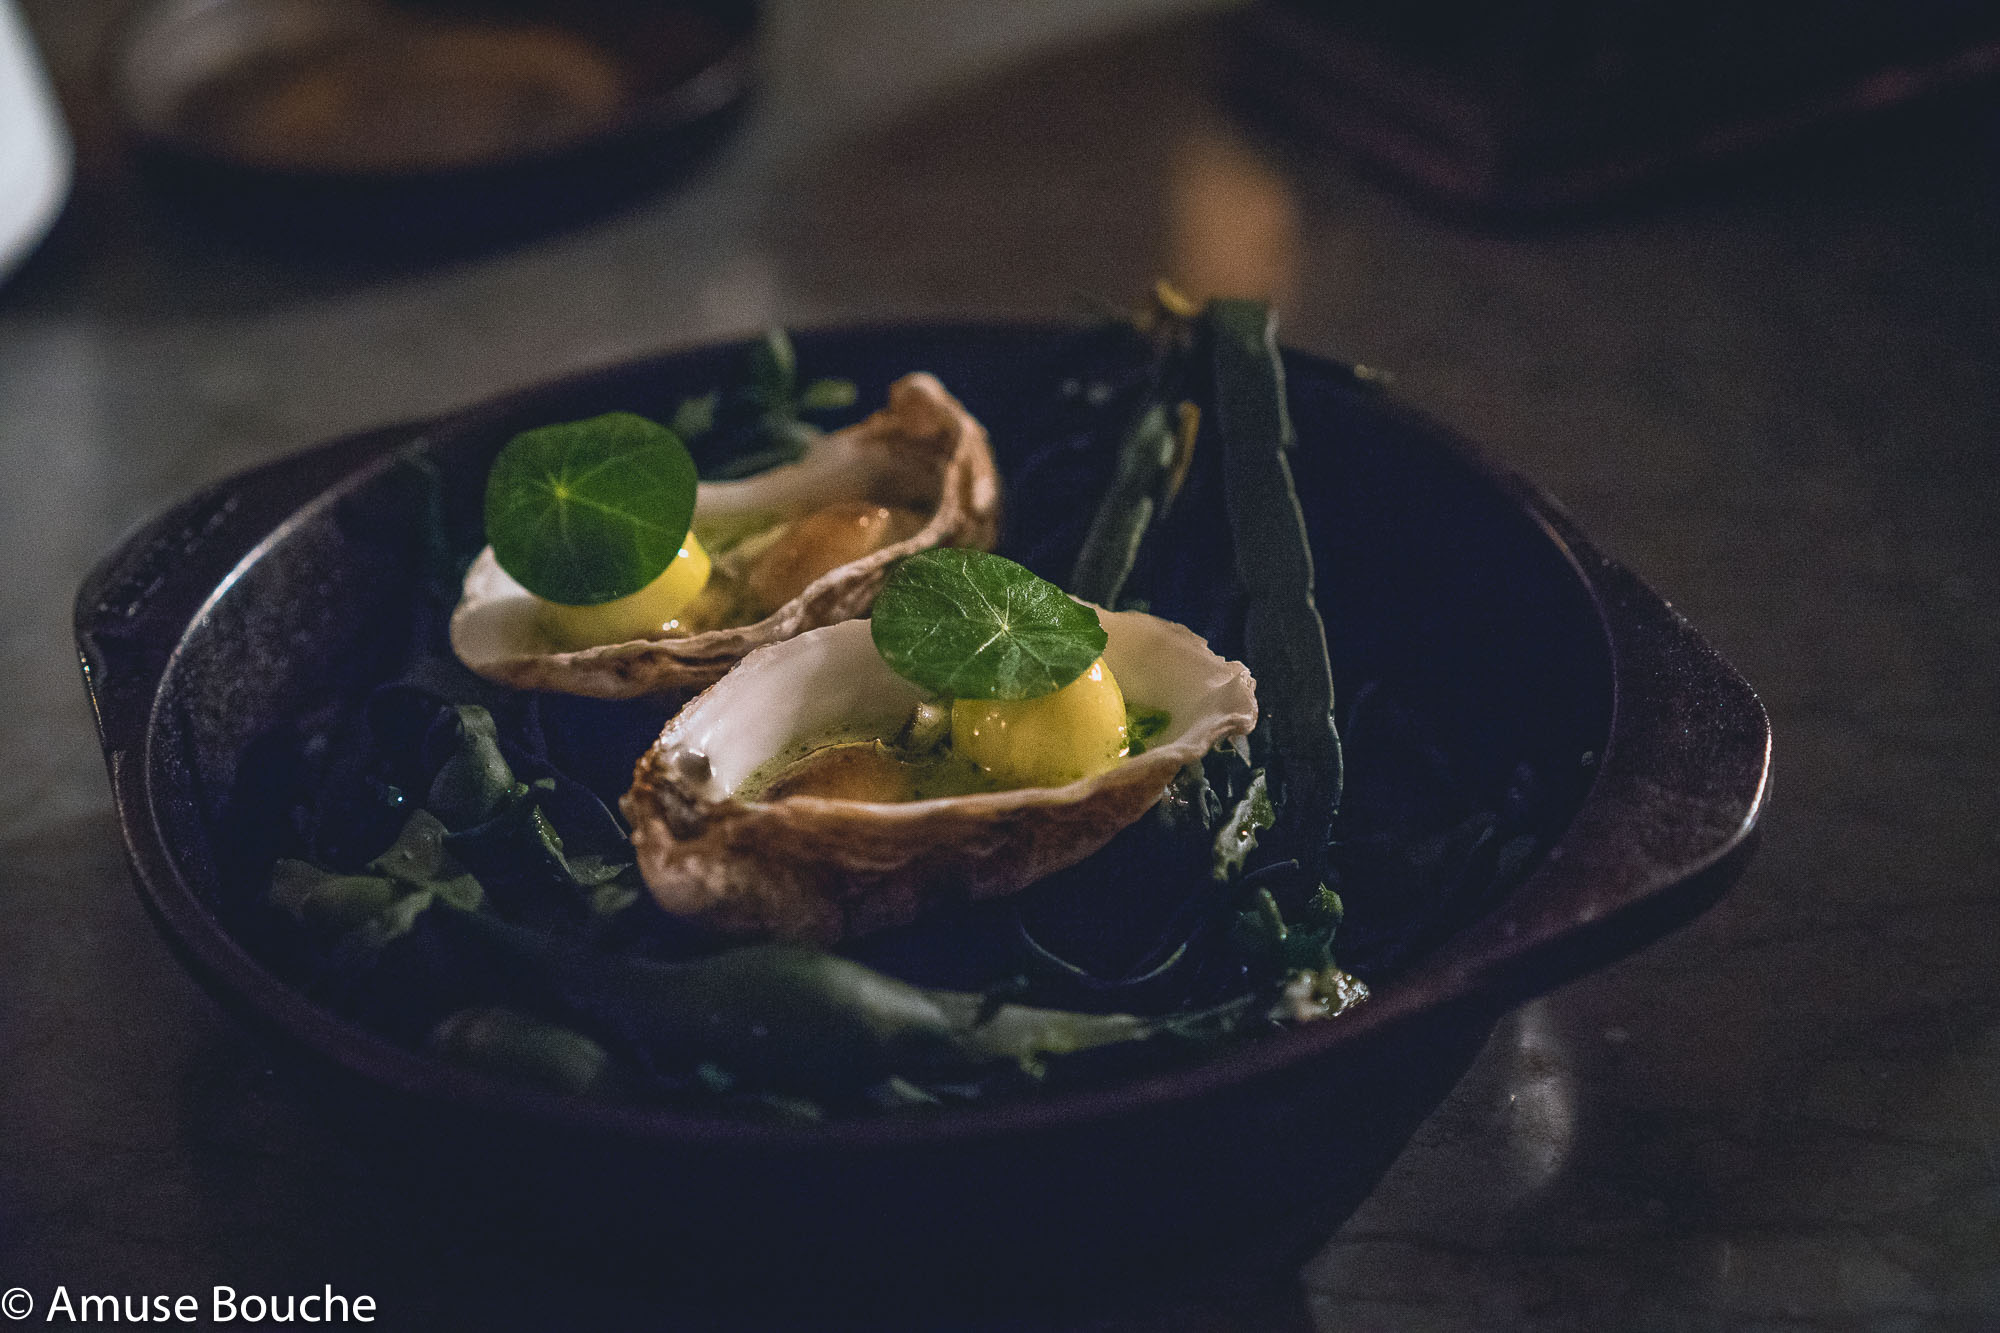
[(1284, 637), (1154, 451)]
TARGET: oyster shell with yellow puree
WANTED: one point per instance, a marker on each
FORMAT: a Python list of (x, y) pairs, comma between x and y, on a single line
[(922, 455), (820, 868)]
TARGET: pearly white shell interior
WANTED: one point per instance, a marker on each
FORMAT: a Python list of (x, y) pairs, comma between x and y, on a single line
[(505, 618)]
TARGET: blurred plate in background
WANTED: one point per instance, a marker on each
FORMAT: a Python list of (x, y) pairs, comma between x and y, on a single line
[(357, 121)]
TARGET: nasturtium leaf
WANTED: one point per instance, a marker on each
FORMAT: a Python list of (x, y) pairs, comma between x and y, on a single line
[(970, 625), (590, 511)]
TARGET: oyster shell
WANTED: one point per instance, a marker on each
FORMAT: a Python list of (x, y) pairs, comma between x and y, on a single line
[(815, 868), (923, 451)]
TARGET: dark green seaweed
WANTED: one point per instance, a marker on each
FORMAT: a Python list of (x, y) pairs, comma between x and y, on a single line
[(1154, 452), (519, 1046), (785, 1017), (1284, 638), (757, 421)]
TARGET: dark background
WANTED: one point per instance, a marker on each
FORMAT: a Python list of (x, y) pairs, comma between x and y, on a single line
[(1772, 389)]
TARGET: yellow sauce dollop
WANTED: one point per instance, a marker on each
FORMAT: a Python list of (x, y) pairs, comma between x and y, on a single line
[(1076, 732), (651, 610)]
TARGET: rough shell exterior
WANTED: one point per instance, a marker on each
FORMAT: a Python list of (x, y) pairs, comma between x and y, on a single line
[(819, 869), (923, 450)]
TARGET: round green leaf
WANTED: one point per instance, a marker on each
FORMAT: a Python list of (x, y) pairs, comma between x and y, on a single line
[(970, 625), (590, 511)]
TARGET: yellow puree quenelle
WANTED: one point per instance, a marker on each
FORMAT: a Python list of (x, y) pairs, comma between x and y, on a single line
[(1071, 733), (646, 612)]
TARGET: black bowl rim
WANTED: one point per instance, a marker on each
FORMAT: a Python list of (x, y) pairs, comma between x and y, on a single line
[(1655, 840), (710, 90)]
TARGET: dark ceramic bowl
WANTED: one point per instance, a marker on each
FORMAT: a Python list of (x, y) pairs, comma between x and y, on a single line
[(412, 124), (274, 591)]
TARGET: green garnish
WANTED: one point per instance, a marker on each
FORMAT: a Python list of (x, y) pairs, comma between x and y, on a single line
[(590, 511), (1143, 726), (516, 1045), (969, 625), (1154, 453), (1284, 640), (756, 422)]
